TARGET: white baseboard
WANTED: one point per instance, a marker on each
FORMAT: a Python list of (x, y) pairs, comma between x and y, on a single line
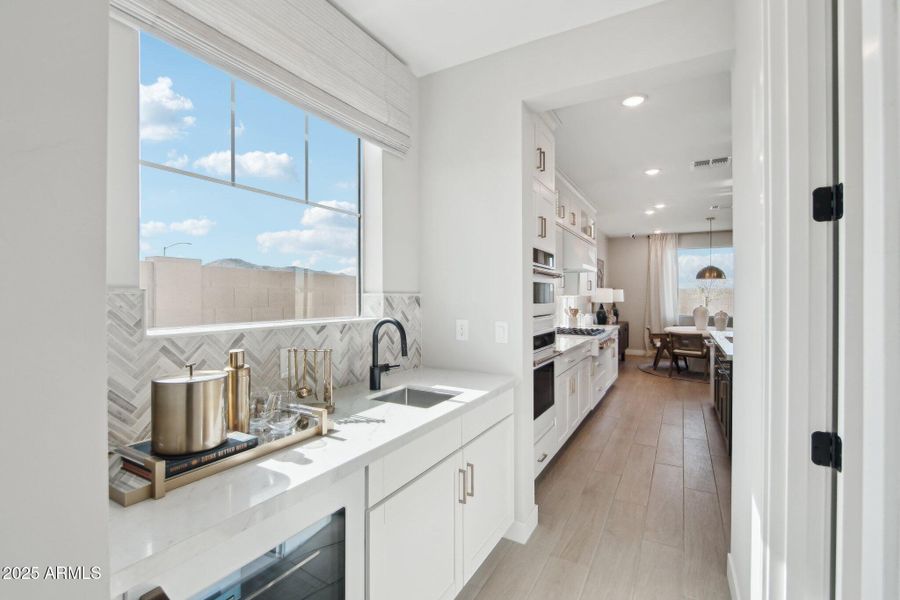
[(732, 580), (633, 352), (520, 531)]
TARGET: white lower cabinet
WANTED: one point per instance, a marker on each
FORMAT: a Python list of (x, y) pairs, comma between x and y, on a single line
[(488, 509), (584, 388), (429, 537), (412, 538)]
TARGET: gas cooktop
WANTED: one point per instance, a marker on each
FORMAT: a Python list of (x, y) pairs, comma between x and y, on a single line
[(580, 331)]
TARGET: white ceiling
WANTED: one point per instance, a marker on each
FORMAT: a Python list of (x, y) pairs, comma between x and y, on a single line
[(605, 148), (430, 35)]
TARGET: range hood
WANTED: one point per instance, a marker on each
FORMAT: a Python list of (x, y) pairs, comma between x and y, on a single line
[(579, 256)]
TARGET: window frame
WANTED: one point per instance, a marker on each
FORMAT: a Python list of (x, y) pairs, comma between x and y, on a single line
[(231, 182)]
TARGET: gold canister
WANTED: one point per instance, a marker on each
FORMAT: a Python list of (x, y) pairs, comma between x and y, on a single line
[(187, 412), (237, 392)]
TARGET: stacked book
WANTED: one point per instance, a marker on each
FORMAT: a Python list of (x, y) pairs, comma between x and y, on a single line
[(134, 456)]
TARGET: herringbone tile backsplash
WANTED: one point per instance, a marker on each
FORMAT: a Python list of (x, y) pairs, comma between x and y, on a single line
[(135, 358)]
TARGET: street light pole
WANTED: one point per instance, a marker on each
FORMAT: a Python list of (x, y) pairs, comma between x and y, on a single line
[(165, 248)]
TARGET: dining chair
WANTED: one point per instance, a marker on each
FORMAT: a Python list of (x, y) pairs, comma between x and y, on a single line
[(688, 345), (660, 342)]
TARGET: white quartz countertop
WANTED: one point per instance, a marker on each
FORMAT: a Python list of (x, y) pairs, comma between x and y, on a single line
[(197, 516), (723, 342), (564, 343)]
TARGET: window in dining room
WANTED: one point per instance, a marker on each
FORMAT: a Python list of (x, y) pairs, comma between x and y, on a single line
[(715, 294)]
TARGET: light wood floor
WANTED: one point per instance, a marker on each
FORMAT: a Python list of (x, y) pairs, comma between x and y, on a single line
[(636, 505)]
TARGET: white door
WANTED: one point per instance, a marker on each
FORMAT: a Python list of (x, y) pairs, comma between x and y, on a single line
[(572, 409), (584, 387), (544, 222), (488, 511), (561, 401), (413, 538), (544, 154)]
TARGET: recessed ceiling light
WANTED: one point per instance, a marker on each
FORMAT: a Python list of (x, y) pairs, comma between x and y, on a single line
[(659, 205), (652, 172), (657, 231), (649, 211), (632, 101)]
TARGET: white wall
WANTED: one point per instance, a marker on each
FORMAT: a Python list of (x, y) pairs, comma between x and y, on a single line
[(473, 140), (53, 509)]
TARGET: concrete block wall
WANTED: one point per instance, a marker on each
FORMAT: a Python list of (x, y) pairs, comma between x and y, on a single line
[(184, 292)]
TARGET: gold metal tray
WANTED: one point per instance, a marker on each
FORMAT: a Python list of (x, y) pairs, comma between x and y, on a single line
[(127, 488)]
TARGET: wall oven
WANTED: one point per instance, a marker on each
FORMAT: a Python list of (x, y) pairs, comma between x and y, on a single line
[(544, 346), (545, 278)]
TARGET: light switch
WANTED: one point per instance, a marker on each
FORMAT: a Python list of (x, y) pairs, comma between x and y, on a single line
[(501, 332), (462, 330)]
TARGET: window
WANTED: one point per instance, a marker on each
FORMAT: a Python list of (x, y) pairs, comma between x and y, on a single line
[(249, 206), (716, 294)]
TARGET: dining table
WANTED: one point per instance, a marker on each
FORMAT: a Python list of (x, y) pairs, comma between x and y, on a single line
[(689, 329)]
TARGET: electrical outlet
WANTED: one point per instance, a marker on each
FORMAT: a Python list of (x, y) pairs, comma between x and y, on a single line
[(501, 332), (462, 330)]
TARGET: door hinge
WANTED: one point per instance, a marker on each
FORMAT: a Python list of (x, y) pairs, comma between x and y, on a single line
[(828, 203), (826, 449)]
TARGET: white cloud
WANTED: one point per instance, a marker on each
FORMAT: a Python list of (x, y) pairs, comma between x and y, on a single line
[(178, 161), (239, 129), (161, 109), (345, 185), (315, 216), (151, 228), (145, 246), (337, 241), (272, 165), (195, 227)]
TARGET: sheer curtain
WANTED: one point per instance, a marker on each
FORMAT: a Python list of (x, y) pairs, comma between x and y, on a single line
[(661, 305)]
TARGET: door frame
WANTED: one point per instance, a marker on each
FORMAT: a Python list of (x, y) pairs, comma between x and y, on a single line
[(781, 501), (868, 516)]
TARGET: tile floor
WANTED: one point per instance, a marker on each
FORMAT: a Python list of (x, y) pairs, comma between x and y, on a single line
[(635, 506)]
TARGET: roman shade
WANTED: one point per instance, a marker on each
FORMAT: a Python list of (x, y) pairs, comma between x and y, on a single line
[(305, 51)]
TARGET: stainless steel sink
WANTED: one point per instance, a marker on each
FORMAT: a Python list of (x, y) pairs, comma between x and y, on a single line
[(418, 397)]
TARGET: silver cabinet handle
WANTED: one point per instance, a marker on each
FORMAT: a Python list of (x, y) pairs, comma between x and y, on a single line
[(539, 152), (572, 218), (590, 283), (562, 211), (543, 457), (462, 487), (542, 160), (471, 469)]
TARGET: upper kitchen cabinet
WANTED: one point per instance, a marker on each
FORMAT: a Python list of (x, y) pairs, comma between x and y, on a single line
[(544, 152), (543, 222), (573, 211)]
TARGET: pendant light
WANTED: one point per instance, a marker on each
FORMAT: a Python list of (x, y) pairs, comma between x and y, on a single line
[(710, 272)]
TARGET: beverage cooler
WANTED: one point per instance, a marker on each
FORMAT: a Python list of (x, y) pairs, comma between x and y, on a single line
[(308, 565)]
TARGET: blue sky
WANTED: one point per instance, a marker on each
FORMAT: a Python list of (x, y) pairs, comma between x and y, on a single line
[(185, 123), (691, 260)]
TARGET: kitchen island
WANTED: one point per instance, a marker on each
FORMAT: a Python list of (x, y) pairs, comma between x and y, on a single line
[(722, 358), (200, 533)]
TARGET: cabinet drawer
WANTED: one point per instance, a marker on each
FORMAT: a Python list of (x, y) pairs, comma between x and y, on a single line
[(479, 420), (544, 449), (572, 359), (391, 472)]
